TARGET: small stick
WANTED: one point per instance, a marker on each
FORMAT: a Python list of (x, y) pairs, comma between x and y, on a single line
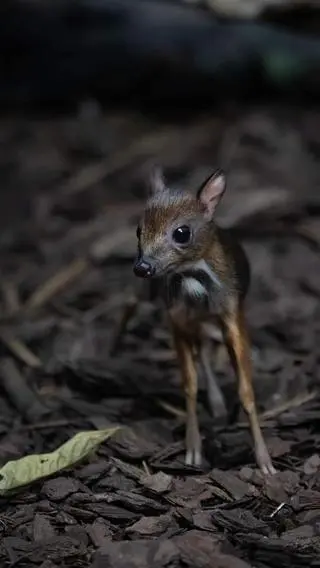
[(48, 425), (20, 350), (150, 144), (103, 247), (64, 277), (21, 396), (56, 283), (177, 412), (10, 298), (294, 402), (145, 467), (105, 307), (277, 510)]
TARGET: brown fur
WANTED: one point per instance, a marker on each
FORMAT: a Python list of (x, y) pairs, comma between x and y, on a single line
[(226, 266)]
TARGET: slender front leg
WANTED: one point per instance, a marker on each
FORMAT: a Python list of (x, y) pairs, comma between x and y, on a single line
[(215, 397), (238, 343), (184, 349)]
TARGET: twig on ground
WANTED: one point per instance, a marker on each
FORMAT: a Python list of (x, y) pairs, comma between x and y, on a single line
[(100, 250), (20, 350), (103, 247), (146, 469), (47, 425), (21, 396), (149, 145), (10, 298), (177, 412), (295, 402), (56, 283)]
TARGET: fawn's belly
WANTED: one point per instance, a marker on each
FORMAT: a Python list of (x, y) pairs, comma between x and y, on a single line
[(194, 323)]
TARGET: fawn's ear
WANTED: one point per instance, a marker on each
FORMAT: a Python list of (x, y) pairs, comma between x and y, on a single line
[(211, 192), (156, 181)]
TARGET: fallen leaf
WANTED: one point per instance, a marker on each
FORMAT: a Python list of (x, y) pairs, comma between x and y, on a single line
[(28, 469)]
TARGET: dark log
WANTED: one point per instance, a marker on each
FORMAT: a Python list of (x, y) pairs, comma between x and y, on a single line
[(147, 50)]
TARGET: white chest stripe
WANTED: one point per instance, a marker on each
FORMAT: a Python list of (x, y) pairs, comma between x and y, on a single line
[(192, 287), (203, 265)]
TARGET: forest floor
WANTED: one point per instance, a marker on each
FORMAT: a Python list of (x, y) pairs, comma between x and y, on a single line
[(66, 271)]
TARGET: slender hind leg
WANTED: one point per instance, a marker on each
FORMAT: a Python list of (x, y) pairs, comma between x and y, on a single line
[(215, 397), (239, 347)]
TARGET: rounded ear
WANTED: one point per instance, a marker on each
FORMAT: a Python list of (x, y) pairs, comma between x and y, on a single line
[(211, 192), (156, 181)]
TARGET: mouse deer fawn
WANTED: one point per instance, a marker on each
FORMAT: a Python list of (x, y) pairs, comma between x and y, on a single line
[(204, 277)]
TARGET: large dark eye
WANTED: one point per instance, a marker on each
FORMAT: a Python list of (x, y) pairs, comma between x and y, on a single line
[(138, 233), (182, 235)]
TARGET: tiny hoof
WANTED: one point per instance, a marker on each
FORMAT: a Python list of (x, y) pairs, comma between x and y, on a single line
[(193, 457), (265, 463), (268, 469), (263, 459)]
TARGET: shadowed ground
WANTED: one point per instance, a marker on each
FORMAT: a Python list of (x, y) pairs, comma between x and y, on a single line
[(65, 273)]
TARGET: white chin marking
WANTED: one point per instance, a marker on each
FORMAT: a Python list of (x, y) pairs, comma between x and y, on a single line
[(193, 288)]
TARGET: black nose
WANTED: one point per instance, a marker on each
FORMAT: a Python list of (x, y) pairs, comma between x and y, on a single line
[(143, 268)]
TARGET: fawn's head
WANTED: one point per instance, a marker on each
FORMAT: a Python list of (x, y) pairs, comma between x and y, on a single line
[(176, 226)]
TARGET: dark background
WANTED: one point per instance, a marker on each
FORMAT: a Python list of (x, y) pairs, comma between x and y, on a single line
[(92, 93)]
